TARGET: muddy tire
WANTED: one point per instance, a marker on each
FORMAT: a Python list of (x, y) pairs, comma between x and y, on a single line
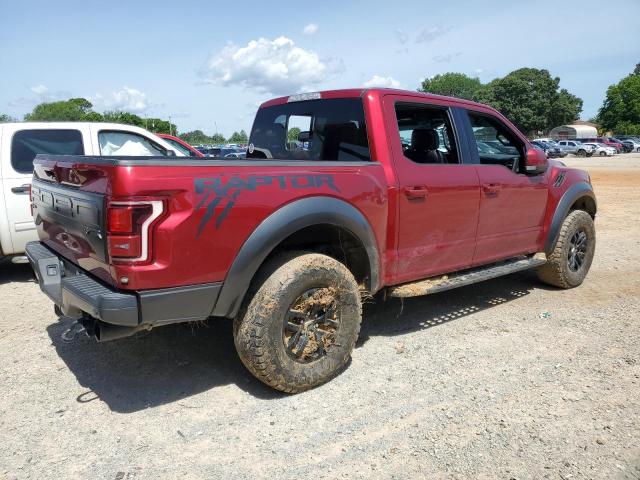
[(569, 263), (300, 321)]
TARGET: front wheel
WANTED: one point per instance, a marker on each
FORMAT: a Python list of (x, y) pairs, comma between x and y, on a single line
[(300, 321), (570, 260), (603, 154), (582, 153)]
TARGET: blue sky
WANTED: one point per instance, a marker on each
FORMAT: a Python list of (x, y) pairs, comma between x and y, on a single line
[(209, 64)]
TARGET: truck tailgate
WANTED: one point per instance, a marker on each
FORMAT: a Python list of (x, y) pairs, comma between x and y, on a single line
[(71, 222)]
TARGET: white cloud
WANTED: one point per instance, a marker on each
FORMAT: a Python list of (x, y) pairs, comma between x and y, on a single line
[(39, 89), (378, 81), (430, 34), (267, 66), (401, 36), (310, 29), (126, 99), (446, 58)]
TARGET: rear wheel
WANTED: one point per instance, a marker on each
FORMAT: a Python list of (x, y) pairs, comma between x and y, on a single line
[(300, 323), (569, 263)]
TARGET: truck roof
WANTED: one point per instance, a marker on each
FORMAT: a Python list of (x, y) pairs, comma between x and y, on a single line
[(359, 92)]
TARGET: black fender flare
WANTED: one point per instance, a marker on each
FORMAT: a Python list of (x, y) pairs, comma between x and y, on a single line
[(277, 227), (573, 194)]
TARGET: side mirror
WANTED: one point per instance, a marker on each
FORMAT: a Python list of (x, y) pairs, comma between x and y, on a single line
[(536, 162), (171, 153), (304, 136)]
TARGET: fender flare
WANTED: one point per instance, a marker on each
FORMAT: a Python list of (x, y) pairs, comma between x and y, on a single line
[(573, 193), (277, 227)]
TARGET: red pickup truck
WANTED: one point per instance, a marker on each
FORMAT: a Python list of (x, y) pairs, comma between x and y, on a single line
[(378, 190)]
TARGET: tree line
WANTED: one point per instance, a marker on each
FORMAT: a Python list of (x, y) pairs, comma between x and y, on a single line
[(81, 110), (531, 98)]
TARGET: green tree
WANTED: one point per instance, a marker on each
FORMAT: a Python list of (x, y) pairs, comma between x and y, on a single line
[(195, 137), (636, 71), (293, 133), (218, 138), (115, 116), (6, 118), (198, 137), (452, 84), (531, 99), (239, 137), (72, 110), (620, 111)]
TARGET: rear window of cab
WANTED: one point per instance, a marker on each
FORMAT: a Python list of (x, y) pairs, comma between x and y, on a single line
[(328, 129)]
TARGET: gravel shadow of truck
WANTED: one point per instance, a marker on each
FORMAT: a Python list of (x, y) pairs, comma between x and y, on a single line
[(178, 361)]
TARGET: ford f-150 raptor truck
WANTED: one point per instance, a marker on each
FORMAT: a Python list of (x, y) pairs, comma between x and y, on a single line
[(379, 190)]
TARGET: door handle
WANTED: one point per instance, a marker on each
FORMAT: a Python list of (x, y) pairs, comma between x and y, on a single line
[(491, 189), (416, 191), (22, 189)]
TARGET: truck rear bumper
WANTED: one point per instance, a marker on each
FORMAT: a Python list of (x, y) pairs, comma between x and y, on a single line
[(77, 293)]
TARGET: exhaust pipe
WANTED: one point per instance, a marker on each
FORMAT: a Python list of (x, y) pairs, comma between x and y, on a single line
[(105, 332)]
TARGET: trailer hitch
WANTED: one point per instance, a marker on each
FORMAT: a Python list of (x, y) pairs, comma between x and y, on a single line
[(75, 329)]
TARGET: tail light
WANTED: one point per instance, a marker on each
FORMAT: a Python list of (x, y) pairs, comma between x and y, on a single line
[(129, 229)]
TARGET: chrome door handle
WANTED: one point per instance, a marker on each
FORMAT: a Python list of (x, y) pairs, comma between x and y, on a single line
[(416, 191), (22, 189)]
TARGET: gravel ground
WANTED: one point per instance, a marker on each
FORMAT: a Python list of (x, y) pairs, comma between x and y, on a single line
[(506, 379)]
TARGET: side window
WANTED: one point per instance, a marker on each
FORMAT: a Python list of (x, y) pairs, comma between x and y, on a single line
[(426, 134), (113, 142), (497, 145), (26, 144)]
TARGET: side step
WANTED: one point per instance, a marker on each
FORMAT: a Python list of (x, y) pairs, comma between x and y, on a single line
[(466, 277)]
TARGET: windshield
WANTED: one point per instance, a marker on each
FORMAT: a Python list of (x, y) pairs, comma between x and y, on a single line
[(330, 129)]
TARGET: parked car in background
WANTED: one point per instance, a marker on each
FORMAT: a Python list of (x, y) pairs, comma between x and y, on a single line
[(552, 152), (626, 148), (632, 144), (554, 144), (602, 150), (237, 154), (577, 148), (21, 142), (180, 145), (606, 141)]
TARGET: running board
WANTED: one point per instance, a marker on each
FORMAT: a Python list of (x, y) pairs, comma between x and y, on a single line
[(467, 277)]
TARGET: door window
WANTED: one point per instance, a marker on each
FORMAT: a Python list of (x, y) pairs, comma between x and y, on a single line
[(426, 134), (496, 144), (127, 143), (26, 144)]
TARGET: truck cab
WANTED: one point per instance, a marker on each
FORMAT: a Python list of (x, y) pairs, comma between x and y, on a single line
[(21, 142)]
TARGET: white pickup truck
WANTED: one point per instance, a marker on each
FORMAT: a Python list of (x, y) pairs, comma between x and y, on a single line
[(21, 142)]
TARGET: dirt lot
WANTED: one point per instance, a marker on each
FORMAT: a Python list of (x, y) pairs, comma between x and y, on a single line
[(506, 379)]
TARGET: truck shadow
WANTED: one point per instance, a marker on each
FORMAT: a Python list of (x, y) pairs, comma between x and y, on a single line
[(175, 362), (397, 316), (12, 272)]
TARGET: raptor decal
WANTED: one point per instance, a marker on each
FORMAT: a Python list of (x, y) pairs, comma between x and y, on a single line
[(217, 191)]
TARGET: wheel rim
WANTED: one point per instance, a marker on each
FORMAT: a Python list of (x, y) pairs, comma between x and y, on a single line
[(577, 250), (311, 324)]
